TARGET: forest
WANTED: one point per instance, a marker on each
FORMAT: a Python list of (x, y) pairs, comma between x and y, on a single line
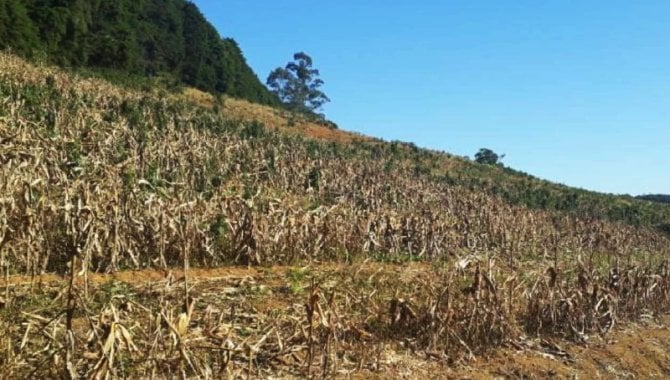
[(662, 198), (143, 38)]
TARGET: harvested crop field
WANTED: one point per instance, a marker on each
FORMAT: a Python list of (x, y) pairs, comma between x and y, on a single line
[(146, 236), (346, 320)]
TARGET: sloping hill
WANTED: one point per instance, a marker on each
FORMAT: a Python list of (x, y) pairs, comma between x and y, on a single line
[(271, 117), (98, 179), (373, 198), (513, 186), (145, 38), (172, 40)]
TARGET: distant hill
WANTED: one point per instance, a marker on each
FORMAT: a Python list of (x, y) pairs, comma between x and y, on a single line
[(139, 37), (662, 198)]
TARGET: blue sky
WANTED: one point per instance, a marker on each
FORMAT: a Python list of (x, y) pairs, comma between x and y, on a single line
[(574, 91)]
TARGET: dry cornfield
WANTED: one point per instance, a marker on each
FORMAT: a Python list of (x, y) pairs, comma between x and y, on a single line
[(97, 179)]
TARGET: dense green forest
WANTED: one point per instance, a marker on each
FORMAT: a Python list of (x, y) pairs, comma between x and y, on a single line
[(662, 198), (138, 37)]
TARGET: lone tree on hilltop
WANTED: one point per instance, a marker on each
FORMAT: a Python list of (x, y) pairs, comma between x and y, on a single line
[(297, 85), (488, 157)]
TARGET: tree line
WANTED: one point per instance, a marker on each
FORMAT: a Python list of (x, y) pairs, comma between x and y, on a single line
[(662, 198), (142, 37)]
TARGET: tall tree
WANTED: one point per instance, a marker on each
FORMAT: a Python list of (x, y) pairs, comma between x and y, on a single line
[(488, 157), (297, 85), (17, 30)]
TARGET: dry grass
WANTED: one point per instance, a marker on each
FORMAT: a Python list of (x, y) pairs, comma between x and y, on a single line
[(242, 110)]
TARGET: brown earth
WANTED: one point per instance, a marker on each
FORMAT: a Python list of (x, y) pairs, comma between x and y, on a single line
[(635, 351)]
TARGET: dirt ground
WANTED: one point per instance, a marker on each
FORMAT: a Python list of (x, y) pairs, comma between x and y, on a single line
[(639, 351)]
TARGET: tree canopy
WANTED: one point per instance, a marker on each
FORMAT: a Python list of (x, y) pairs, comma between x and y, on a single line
[(297, 85), (143, 37), (488, 157), (662, 198)]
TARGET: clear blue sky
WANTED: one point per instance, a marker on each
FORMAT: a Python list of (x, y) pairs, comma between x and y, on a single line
[(574, 91)]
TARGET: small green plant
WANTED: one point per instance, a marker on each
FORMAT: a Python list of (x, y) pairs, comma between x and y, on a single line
[(296, 278), (128, 177), (121, 151), (74, 153), (112, 290), (399, 258), (313, 179), (253, 130), (219, 103)]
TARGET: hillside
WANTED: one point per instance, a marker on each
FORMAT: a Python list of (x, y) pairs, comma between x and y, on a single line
[(169, 43), (131, 39), (119, 139), (513, 186), (125, 215)]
